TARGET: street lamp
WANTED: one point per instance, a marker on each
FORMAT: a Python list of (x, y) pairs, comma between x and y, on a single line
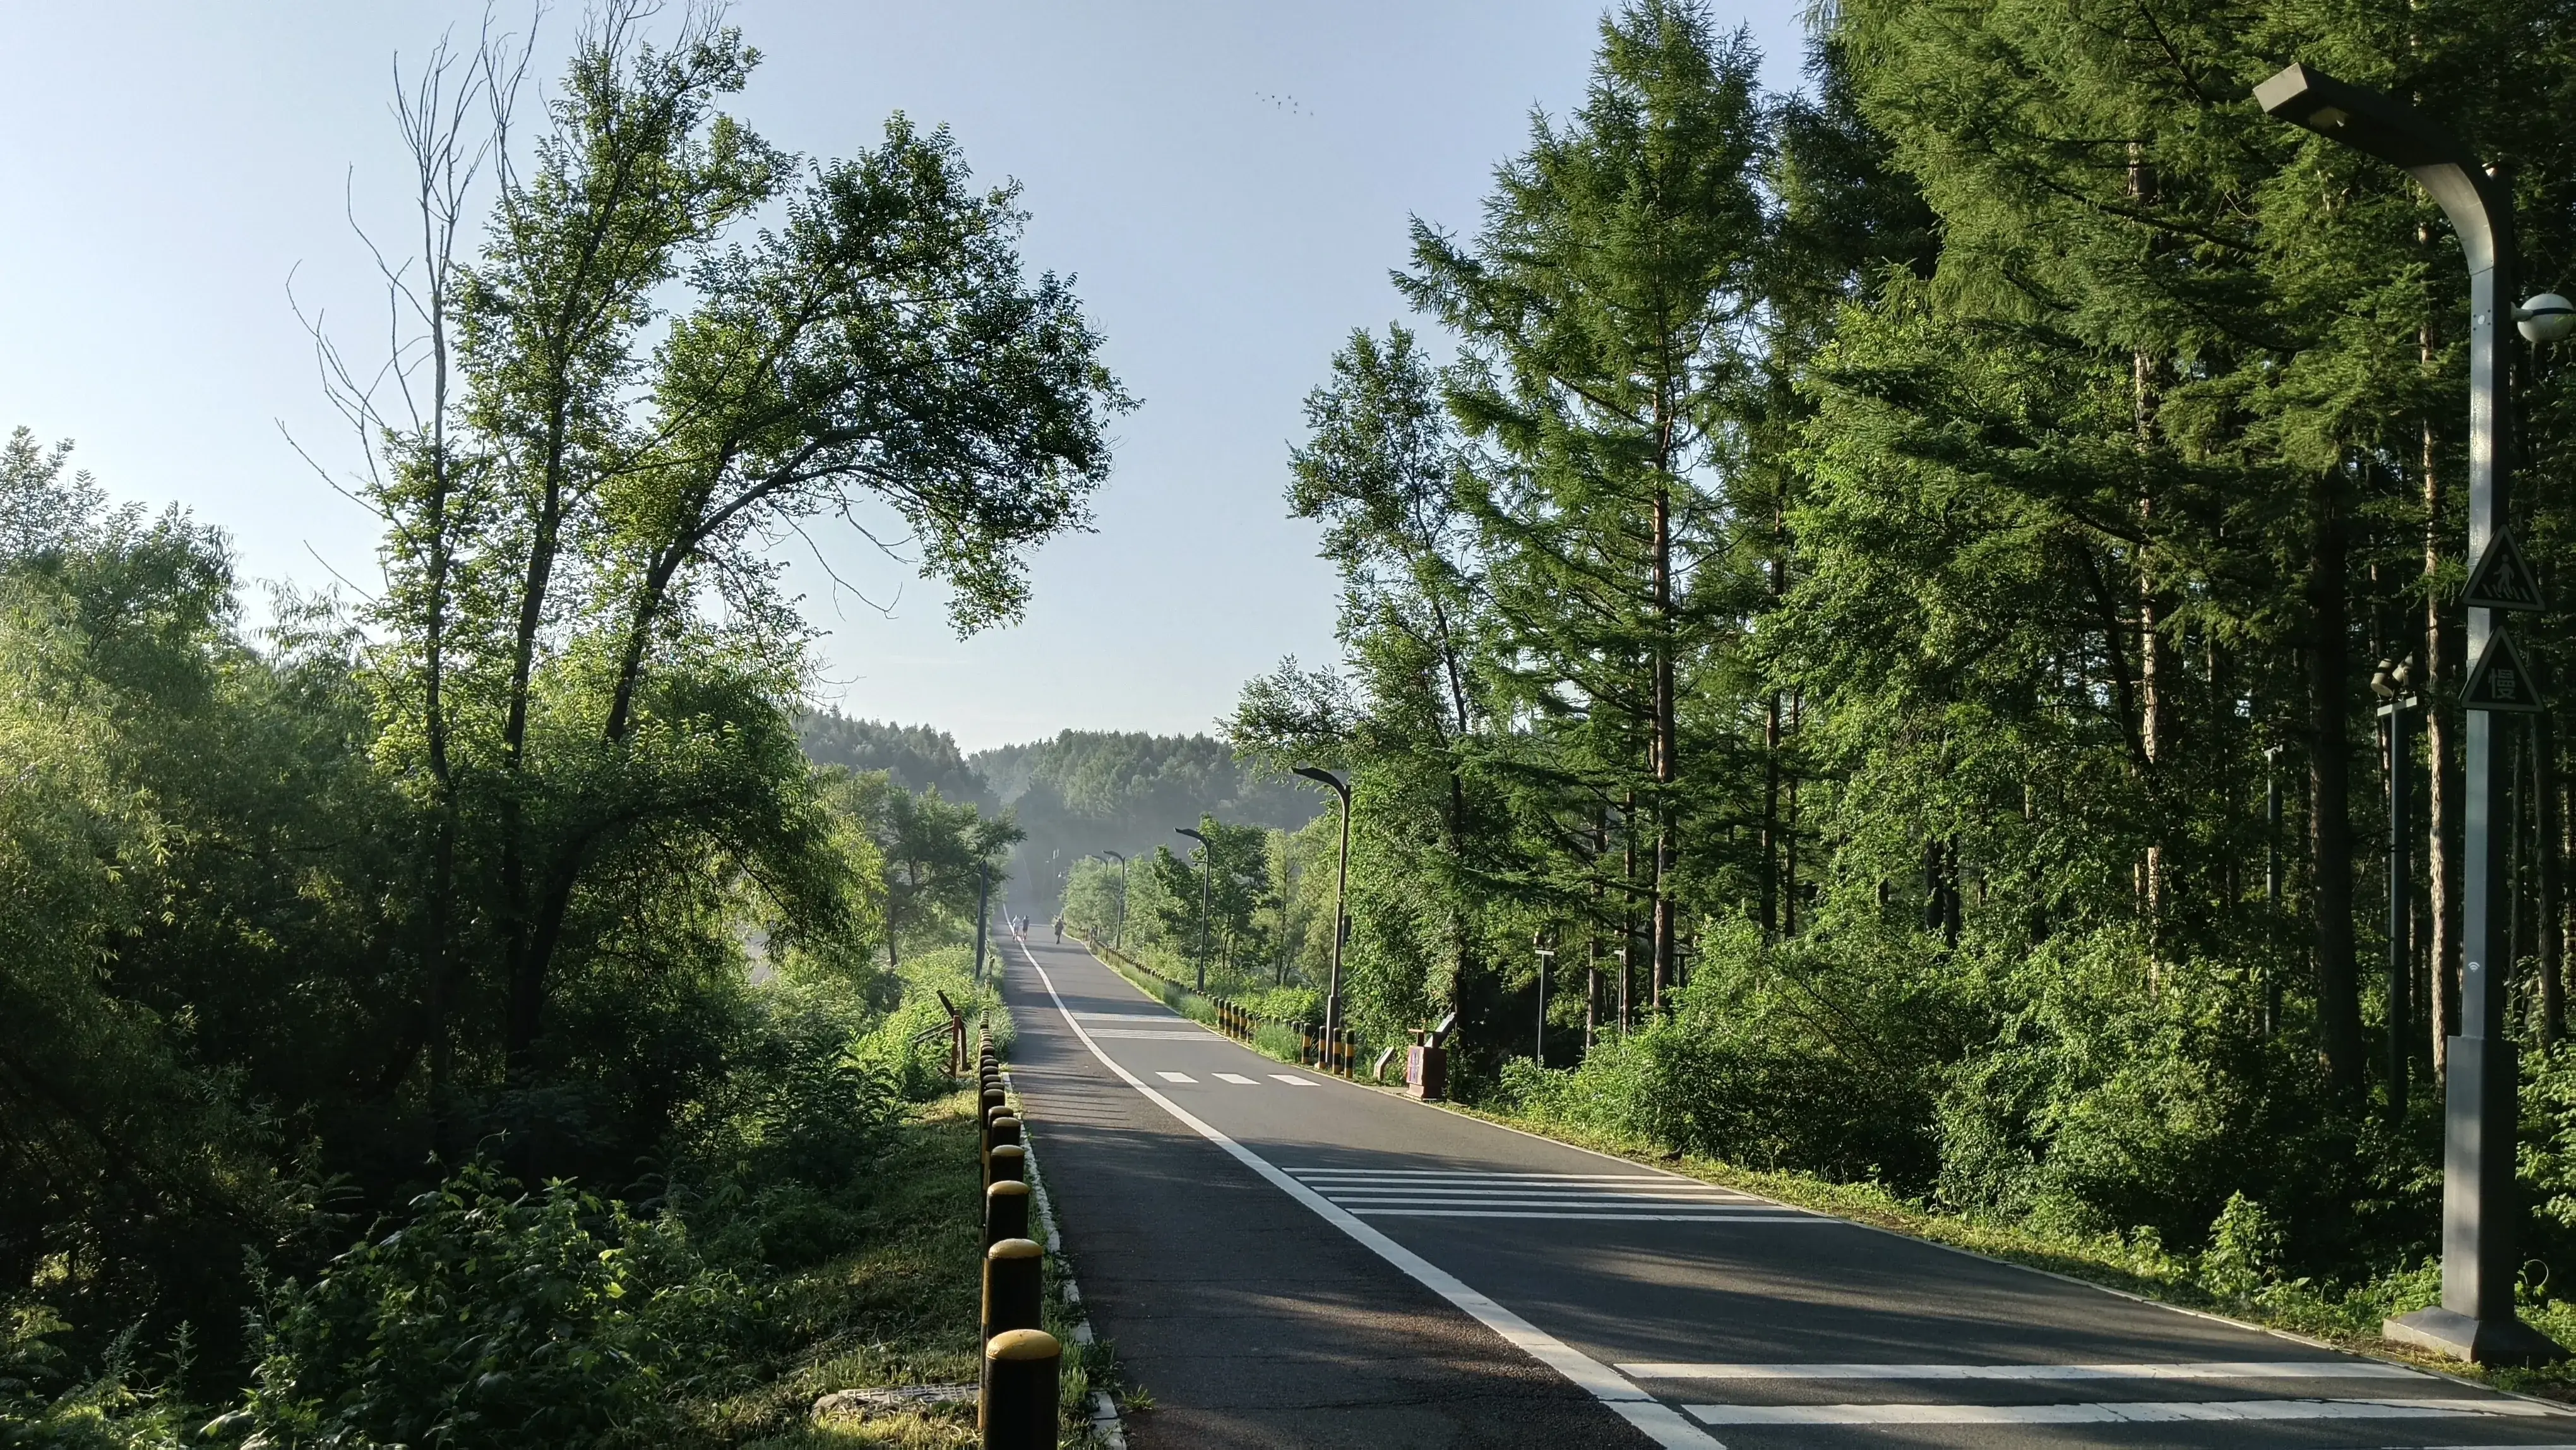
[(1118, 934), (1544, 950), (2475, 1320), (1207, 867), (1341, 884)]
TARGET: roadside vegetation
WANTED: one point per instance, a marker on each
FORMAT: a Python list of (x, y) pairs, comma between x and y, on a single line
[(463, 1016), (1860, 611)]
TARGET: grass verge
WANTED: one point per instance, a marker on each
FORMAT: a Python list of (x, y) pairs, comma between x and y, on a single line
[(900, 1310)]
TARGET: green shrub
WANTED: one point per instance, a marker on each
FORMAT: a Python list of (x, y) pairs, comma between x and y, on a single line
[(492, 1318), (46, 1401)]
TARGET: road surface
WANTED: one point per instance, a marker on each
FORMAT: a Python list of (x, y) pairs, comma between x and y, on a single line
[(1282, 1259)]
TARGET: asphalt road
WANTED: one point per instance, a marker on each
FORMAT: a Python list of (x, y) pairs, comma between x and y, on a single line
[(1282, 1259)]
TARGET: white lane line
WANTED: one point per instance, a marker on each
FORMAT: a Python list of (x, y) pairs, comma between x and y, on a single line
[(1152, 1036), (1292, 1079), (1523, 1190), (2287, 1369), (1319, 1175), (1166, 1018), (2129, 1412), (1238, 1079), (1175, 1077), (1657, 1420), (1605, 1216), (1723, 1210)]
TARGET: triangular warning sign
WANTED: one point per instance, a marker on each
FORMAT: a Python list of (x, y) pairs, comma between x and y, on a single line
[(2501, 578), (2499, 680)]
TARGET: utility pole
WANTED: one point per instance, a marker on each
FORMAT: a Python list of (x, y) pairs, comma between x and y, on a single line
[(2480, 1217)]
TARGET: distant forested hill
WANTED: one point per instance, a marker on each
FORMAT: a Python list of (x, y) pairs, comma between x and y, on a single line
[(1094, 790), (1083, 791), (917, 757)]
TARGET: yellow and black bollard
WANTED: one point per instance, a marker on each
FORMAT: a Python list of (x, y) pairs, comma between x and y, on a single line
[(1016, 1409), (1009, 1165), (1014, 1279), (1006, 1213), (1003, 1129)]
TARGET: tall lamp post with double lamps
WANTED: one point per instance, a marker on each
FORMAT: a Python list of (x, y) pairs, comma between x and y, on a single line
[(1341, 884), (1207, 867), (2475, 1320)]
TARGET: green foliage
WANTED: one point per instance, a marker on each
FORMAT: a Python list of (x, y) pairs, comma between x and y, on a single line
[(915, 757), (1087, 790), (489, 1317), (1847, 601), (520, 863), (939, 858)]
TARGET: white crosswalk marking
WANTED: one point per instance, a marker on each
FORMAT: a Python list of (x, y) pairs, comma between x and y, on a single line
[(1599, 1197), (2128, 1412), (2291, 1369), (2256, 1408), (1175, 1077), (1237, 1078)]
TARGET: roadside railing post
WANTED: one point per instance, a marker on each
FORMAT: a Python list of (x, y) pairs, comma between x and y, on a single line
[(1017, 1409), (1009, 1165), (1004, 1129), (1014, 1274), (1006, 1215)]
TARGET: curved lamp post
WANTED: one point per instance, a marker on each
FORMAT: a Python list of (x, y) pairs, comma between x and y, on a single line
[(1341, 884), (2475, 1320), (1118, 933), (1207, 867)]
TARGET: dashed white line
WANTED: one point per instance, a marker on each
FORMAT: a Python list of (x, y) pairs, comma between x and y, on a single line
[(1175, 1077), (1292, 1079), (1236, 1078)]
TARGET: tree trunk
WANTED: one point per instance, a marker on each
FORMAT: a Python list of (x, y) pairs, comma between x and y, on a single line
[(1627, 905), (2329, 817), (2553, 893), (1771, 747), (1789, 843), (1663, 749)]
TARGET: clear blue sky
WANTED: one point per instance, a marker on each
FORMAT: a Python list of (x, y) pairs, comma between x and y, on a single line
[(171, 165)]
